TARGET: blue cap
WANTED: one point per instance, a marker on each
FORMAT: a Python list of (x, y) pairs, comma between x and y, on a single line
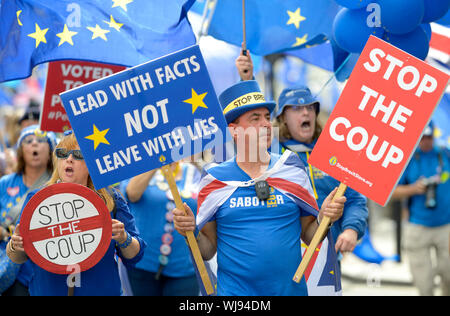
[(34, 130), (242, 97), (429, 129), (296, 96)]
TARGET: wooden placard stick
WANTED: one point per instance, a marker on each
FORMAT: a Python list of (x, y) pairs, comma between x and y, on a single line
[(167, 172), (317, 238)]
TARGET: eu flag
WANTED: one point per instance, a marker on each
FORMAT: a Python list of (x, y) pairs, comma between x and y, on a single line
[(123, 32), (276, 25)]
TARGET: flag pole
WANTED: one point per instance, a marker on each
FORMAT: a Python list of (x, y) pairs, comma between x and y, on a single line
[(167, 172), (202, 25), (244, 34), (317, 238)]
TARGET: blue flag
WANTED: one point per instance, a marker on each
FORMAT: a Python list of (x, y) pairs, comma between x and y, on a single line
[(441, 119), (123, 32), (274, 26)]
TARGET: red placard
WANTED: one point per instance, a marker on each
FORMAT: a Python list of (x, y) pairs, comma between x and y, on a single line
[(64, 225), (65, 75), (378, 120)]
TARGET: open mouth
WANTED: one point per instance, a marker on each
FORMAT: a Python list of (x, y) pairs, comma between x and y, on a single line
[(35, 153), (306, 124), (68, 171)]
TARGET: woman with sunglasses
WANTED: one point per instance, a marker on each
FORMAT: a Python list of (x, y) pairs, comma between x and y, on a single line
[(33, 170), (103, 278)]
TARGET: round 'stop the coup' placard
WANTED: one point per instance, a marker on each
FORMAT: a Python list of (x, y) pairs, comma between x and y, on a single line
[(66, 224)]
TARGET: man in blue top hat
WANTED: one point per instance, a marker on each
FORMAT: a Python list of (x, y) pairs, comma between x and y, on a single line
[(253, 208), (426, 185)]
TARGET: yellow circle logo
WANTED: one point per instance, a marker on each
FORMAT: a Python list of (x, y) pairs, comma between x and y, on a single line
[(162, 159), (333, 161)]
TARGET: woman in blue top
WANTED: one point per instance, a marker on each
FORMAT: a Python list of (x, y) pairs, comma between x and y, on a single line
[(33, 169), (298, 131), (166, 268), (103, 278)]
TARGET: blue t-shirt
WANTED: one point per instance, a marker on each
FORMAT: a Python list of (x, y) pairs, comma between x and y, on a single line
[(150, 214), (102, 279), (427, 164), (355, 213), (12, 189), (258, 242)]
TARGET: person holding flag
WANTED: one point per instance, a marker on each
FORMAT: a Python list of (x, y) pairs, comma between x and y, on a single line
[(299, 130), (253, 208)]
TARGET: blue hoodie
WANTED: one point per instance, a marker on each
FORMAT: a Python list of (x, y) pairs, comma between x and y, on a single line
[(355, 211)]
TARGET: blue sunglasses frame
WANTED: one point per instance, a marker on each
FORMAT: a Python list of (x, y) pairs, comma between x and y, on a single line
[(63, 153)]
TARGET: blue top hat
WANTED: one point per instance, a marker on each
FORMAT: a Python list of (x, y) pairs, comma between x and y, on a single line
[(242, 97), (296, 96)]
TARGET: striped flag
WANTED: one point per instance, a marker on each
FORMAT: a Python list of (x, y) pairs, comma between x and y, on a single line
[(440, 43), (289, 176)]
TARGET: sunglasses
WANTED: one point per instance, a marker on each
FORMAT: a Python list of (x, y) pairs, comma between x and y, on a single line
[(63, 153), (308, 107)]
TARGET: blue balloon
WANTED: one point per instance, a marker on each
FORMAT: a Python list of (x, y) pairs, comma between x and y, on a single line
[(401, 16), (435, 9), (354, 4), (351, 31), (427, 28), (445, 20), (415, 43)]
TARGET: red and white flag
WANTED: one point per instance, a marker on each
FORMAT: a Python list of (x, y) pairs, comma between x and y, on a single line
[(287, 175), (440, 43)]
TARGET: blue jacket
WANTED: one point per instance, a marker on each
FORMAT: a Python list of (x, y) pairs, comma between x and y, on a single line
[(429, 164), (355, 210)]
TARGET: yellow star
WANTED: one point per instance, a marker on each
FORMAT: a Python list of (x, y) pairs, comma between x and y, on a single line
[(113, 24), (295, 18), (300, 40), (196, 101), (66, 36), (39, 35), (98, 136), (121, 3), (97, 31), (437, 132), (18, 20)]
